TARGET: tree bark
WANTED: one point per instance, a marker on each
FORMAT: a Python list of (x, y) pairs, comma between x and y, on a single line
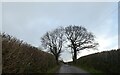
[(56, 58), (75, 56)]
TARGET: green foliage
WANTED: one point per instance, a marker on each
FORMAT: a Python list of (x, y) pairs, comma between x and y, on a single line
[(106, 61), (20, 57)]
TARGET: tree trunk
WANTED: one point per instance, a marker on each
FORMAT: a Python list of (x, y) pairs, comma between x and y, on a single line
[(56, 58), (75, 56)]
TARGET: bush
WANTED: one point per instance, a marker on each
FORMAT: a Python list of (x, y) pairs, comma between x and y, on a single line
[(20, 57)]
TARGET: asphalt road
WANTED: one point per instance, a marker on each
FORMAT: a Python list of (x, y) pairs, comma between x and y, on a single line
[(70, 70)]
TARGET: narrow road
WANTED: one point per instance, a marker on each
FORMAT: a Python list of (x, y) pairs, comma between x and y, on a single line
[(72, 70)]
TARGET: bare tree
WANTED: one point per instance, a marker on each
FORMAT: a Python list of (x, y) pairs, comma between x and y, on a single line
[(53, 41), (80, 39)]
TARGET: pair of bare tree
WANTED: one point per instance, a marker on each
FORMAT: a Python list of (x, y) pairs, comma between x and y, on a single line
[(77, 36)]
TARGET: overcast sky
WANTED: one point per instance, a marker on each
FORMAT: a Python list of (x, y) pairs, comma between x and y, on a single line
[(29, 21)]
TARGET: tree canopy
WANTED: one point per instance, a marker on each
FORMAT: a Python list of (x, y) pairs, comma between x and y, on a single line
[(53, 41), (80, 39), (77, 36)]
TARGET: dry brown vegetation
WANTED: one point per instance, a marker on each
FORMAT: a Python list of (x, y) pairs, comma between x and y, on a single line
[(20, 57)]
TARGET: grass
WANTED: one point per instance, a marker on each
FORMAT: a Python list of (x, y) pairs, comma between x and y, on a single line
[(92, 71), (54, 70)]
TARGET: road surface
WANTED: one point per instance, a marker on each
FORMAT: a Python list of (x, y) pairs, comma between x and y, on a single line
[(70, 70)]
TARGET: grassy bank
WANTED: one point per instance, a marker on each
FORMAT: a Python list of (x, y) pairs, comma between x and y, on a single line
[(90, 70), (104, 63), (54, 70)]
